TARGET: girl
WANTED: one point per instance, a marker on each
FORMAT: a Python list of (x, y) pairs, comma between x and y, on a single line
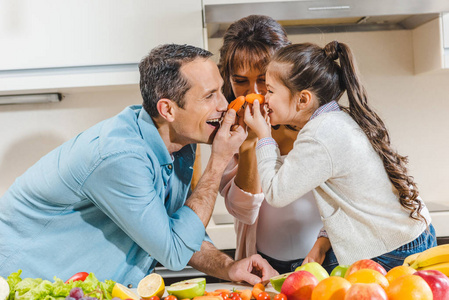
[(368, 203), (248, 45)]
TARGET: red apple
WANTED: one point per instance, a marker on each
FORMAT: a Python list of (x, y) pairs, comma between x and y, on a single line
[(365, 264), (438, 282), (299, 285), (365, 291)]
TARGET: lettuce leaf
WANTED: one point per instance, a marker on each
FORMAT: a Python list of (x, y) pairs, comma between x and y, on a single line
[(38, 289)]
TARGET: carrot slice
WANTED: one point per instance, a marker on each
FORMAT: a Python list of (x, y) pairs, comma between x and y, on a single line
[(251, 97), (237, 103)]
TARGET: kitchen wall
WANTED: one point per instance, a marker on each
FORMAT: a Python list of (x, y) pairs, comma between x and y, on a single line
[(414, 107), (28, 132)]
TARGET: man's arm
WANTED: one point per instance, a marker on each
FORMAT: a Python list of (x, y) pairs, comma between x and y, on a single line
[(210, 260), (226, 142)]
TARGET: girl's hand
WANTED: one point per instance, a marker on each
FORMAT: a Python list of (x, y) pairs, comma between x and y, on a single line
[(257, 119)]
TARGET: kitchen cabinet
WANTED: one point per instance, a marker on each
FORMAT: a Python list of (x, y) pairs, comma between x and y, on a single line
[(84, 42), (431, 45)]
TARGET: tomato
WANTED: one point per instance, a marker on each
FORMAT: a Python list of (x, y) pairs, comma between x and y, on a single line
[(157, 298), (231, 295), (224, 295), (170, 297), (280, 297), (80, 276), (263, 296), (236, 297)]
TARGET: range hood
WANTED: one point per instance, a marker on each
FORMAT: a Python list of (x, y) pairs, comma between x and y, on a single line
[(312, 16)]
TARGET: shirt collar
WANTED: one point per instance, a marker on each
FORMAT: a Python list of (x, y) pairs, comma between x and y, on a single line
[(152, 138), (328, 107)]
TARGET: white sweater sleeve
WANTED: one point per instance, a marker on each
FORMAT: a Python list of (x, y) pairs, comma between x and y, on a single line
[(306, 166)]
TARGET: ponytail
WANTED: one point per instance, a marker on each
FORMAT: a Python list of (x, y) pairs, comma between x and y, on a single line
[(375, 129), (314, 68)]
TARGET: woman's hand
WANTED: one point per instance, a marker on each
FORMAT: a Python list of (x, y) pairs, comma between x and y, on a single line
[(318, 252), (257, 119)]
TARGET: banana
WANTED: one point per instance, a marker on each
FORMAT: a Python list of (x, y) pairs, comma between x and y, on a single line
[(411, 259), (432, 256), (442, 267)]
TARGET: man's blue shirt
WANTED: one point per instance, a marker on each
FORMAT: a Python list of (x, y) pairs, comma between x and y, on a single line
[(98, 204)]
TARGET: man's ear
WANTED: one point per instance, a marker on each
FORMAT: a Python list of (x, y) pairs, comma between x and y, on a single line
[(165, 107), (305, 99)]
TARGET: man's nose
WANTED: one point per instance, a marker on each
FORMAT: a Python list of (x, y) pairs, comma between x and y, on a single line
[(222, 103)]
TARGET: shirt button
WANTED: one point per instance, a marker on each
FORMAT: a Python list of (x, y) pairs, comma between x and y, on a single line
[(169, 167), (130, 285)]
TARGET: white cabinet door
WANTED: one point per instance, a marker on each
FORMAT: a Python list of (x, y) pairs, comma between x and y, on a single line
[(55, 33)]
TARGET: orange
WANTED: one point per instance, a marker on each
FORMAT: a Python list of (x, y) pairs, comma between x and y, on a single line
[(332, 288), (399, 271), (368, 276), (410, 287)]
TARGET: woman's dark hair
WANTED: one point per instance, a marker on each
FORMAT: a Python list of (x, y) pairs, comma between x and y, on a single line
[(311, 67), (160, 75), (249, 42)]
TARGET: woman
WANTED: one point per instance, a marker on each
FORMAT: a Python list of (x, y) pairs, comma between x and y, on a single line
[(286, 237)]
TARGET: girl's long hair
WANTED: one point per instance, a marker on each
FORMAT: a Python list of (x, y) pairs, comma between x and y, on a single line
[(316, 69)]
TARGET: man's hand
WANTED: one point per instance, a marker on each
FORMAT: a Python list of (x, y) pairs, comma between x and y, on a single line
[(228, 138), (253, 269)]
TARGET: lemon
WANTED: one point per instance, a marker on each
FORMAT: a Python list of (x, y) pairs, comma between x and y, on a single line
[(188, 288), (4, 289), (277, 281), (122, 292), (151, 285)]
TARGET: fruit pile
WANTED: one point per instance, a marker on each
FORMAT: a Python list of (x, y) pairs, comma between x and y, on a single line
[(423, 276)]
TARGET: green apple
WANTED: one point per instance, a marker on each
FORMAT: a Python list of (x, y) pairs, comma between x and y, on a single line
[(190, 288), (277, 281), (340, 270), (314, 268)]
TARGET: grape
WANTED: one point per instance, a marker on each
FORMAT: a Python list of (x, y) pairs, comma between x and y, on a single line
[(76, 293)]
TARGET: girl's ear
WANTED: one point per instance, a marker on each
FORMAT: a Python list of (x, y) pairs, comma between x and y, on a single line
[(305, 100), (166, 110)]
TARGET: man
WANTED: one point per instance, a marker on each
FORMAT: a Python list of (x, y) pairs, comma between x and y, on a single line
[(114, 200)]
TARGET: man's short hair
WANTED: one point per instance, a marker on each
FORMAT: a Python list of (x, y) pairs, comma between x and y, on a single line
[(160, 75)]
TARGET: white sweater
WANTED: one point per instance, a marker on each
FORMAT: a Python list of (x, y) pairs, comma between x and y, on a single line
[(358, 204)]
